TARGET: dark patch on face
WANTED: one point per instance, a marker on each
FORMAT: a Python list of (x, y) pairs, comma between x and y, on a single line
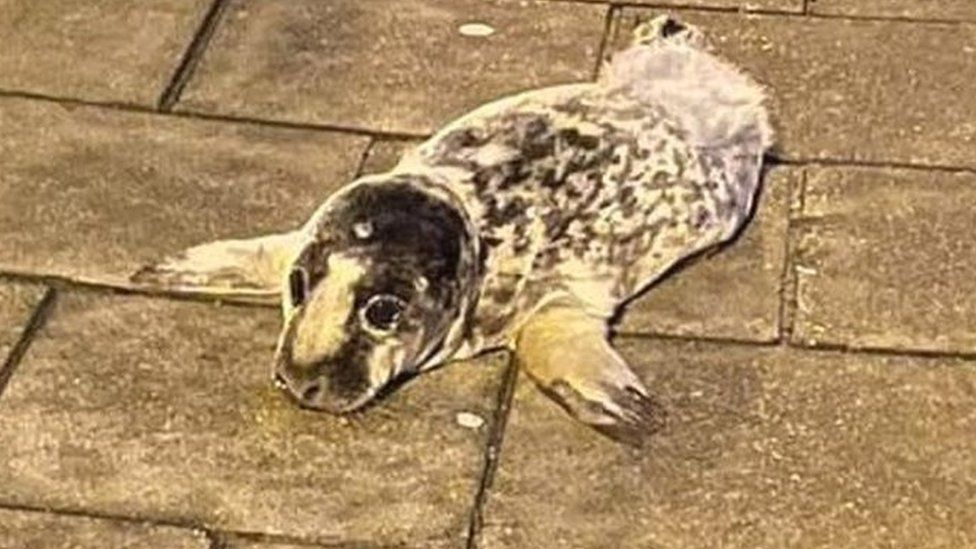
[(411, 229), (336, 380), (413, 249), (347, 371)]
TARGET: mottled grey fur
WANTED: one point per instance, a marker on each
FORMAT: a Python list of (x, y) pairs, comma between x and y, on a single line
[(597, 189)]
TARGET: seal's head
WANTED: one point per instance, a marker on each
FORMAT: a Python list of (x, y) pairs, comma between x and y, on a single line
[(375, 292)]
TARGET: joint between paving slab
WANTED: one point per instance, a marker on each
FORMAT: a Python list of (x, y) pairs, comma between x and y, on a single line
[(64, 284), (801, 346), (225, 538), (844, 348), (892, 19), (364, 157), (34, 324), (215, 540), (383, 135), (218, 539), (796, 197), (609, 31), (89, 514), (682, 7), (713, 340), (492, 452), (801, 13), (191, 57), (210, 117), (881, 165)]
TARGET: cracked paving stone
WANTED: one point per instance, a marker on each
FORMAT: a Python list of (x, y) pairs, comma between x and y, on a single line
[(960, 10), (367, 64), (765, 448), (39, 530), (729, 293), (17, 302), (109, 50), (885, 260), (852, 90), (94, 194), (165, 410)]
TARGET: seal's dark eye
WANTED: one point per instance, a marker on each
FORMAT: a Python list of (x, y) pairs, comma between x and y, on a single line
[(382, 312), (298, 286)]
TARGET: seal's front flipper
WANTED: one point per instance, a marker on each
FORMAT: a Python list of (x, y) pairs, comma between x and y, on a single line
[(251, 267), (566, 352)]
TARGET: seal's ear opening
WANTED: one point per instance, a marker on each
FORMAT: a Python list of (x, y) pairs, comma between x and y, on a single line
[(225, 268)]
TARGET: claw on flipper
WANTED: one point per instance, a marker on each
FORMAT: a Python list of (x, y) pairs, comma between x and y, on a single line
[(629, 416), (566, 353)]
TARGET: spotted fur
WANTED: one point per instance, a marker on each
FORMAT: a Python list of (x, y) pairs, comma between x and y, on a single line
[(597, 189)]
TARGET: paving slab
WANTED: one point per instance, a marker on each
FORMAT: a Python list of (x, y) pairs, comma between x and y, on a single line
[(93, 194), (885, 260), (729, 293), (786, 6), (37, 530), (109, 50), (398, 67), (161, 409), (854, 90), (17, 302), (766, 447), (946, 10)]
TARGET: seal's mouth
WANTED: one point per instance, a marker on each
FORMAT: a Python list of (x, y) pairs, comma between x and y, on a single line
[(309, 397)]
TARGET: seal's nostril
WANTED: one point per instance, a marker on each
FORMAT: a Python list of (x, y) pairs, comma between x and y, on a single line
[(671, 28), (310, 392)]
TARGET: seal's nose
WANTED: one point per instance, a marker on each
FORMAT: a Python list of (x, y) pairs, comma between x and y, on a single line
[(311, 392)]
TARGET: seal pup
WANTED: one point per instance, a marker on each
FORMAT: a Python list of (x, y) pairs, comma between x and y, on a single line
[(525, 224)]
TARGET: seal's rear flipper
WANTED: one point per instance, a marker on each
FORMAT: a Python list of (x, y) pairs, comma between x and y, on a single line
[(251, 267), (566, 352)]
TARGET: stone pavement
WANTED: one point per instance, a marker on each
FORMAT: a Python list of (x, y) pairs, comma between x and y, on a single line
[(820, 372)]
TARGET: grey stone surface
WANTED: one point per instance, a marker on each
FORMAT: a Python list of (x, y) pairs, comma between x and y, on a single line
[(162, 409), (885, 260), (94, 194), (403, 67), (961, 10), (17, 302), (105, 50), (37, 530), (878, 91), (766, 447)]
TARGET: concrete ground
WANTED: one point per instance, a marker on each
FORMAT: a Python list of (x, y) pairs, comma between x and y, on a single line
[(821, 372)]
